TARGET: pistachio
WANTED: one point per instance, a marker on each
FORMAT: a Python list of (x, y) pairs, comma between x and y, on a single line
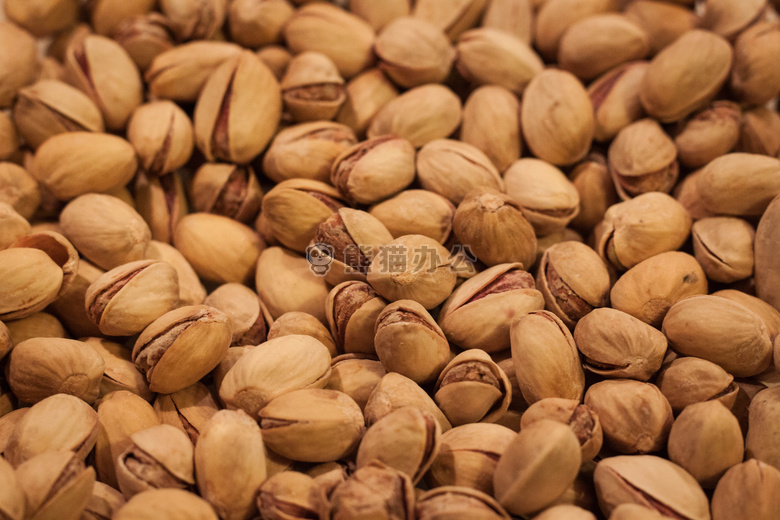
[(513, 16), (536, 467), (491, 122), (238, 110), (766, 275), (759, 132), (492, 298), (228, 190), (762, 431), (768, 314), (652, 482), (230, 463), (374, 169), (312, 88), (631, 511), (157, 457), (407, 439), (103, 503), (256, 23), (380, 12), (42, 18), (414, 51), (366, 94), (168, 502), (635, 416), (728, 19), (458, 502), (416, 212), (180, 347), (597, 192), (191, 290), (679, 81), (724, 248), (161, 202), (396, 391), (710, 133), (144, 37), (690, 380), (188, 410), (747, 490), (14, 226), (12, 499), (248, 316), (375, 491), (161, 134), (8, 423), (9, 137), (70, 308), (662, 22), (302, 323), (751, 181), (281, 365), (289, 495), (581, 419), (56, 484), (554, 17), (545, 358), (352, 309), (20, 189), (190, 20), (19, 61), (616, 344), (106, 15), (119, 372), (356, 375)]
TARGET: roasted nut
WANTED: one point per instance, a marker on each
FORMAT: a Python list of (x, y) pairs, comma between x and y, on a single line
[(709, 134), (168, 502), (752, 80), (554, 17), (729, 19), (161, 133), (395, 391), (739, 184), (19, 61), (305, 324), (188, 410), (70, 308), (374, 490), (256, 23), (228, 190), (366, 94), (191, 290), (144, 37), (759, 132), (491, 122), (56, 484), (190, 20), (615, 99), (248, 316), (513, 16), (356, 375), (416, 212), (690, 380), (352, 309), (103, 503), (766, 257), (762, 430), (106, 15), (21, 190), (161, 202), (747, 490), (582, 420), (119, 372), (724, 248), (458, 502)]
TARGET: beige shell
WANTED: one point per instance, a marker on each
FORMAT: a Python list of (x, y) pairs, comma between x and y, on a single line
[(56, 484), (352, 309), (688, 380), (395, 391), (458, 503), (171, 503), (583, 421), (188, 410), (161, 133)]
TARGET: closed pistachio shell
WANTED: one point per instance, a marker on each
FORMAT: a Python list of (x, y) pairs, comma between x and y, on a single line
[(556, 16), (119, 372), (762, 427), (724, 189), (188, 410), (688, 380), (395, 391), (747, 490), (12, 502), (175, 504), (582, 420), (458, 503), (30, 281), (766, 248), (161, 133), (56, 484)]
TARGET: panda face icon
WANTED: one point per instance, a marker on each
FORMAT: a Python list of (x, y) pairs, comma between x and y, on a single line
[(320, 258)]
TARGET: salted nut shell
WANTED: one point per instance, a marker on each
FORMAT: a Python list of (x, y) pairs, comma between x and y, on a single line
[(172, 503), (615, 344), (407, 439), (750, 490), (104, 502), (312, 425), (492, 298), (583, 421), (416, 212), (60, 422), (312, 88), (491, 122), (227, 189), (689, 380), (126, 299), (56, 484), (295, 322), (289, 494), (762, 420), (473, 388), (458, 503), (30, 281), (356, 375), (180, 347), (352, 309), (188, 410), (724, 248), (395, 391), (615, 99), (567, 290), (468, 456), (282, 365), (12, 500), (157, 457), (652, 482), (766, 249), (374, 490), (722, 190), (709, 134), (161, 202), (119, 372), (161, 133), (545, 358), (248, 315), (407, 340)]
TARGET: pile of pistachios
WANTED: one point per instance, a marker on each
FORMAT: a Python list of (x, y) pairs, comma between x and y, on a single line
[(389, 260)]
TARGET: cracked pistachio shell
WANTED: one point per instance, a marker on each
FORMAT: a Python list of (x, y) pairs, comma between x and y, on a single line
[(413, 267), (407, 439), (161, 202), (219, 248), (373, 170), (289, 495), (295, 207), (554, 17), (343, 37), (12, 500), (21, 189), (161, 134), (724, 248), (312, 425), (356, 375), (761, 441), (458, 503), (707, 424), (119, 372), (573, 280), (649, 481), (19, 63), (51, 107), (709, 134), (102, 69), (74, 163), (373, 491), (238, 110), (468, 456), (640, 228), (120, 414), (484, 218), (59, 249), (615, 99), (157, 457), (689, 380), (546, 360), (635, 416), (230, 464), (103, 503), (729, 19), (685, 75), (29, 281), (396, 391), (181, 72), (582, 420), (452, 17), (722, 331), (642, 159), (279, 366), (181, 347), (408, 341), (60, 422), (69, 307), (174, 504), (43, 17), (412, 51), (739, 184), (767, 245), (473, 388), (227, 189), (126, 299), (189, 410), (352, 309), (537, 467), (305, 324), (421, 115), (258, 23), (453, 169), (42, 367), (191, 290), (307, 151), (312, 89), (546, 196), (752, 79), (750, 490), (13, 226), (56, 484), (247, 313), (663, 22), (106, 15), (492, 298), (675, 275), (491, 122), (118, 237), (490, 56), (144, 37), (556, 100), (416, 212), (194, 21), (617, 345)]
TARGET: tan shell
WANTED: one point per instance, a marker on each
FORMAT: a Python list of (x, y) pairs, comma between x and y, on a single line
[(12, 500), (739, 184), (762, 420), (302, 323), (366, 94), (161, 133), (30, 280), (709, 134), (458, 503), (356, 375), (491, 122), (615, 98), (724, 248), (172, 503), (56, 484), (749, 489), (189, 410), (395, 391), (583, 421), (191, 290), (767, 246), (688, 380), (119, 372)]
